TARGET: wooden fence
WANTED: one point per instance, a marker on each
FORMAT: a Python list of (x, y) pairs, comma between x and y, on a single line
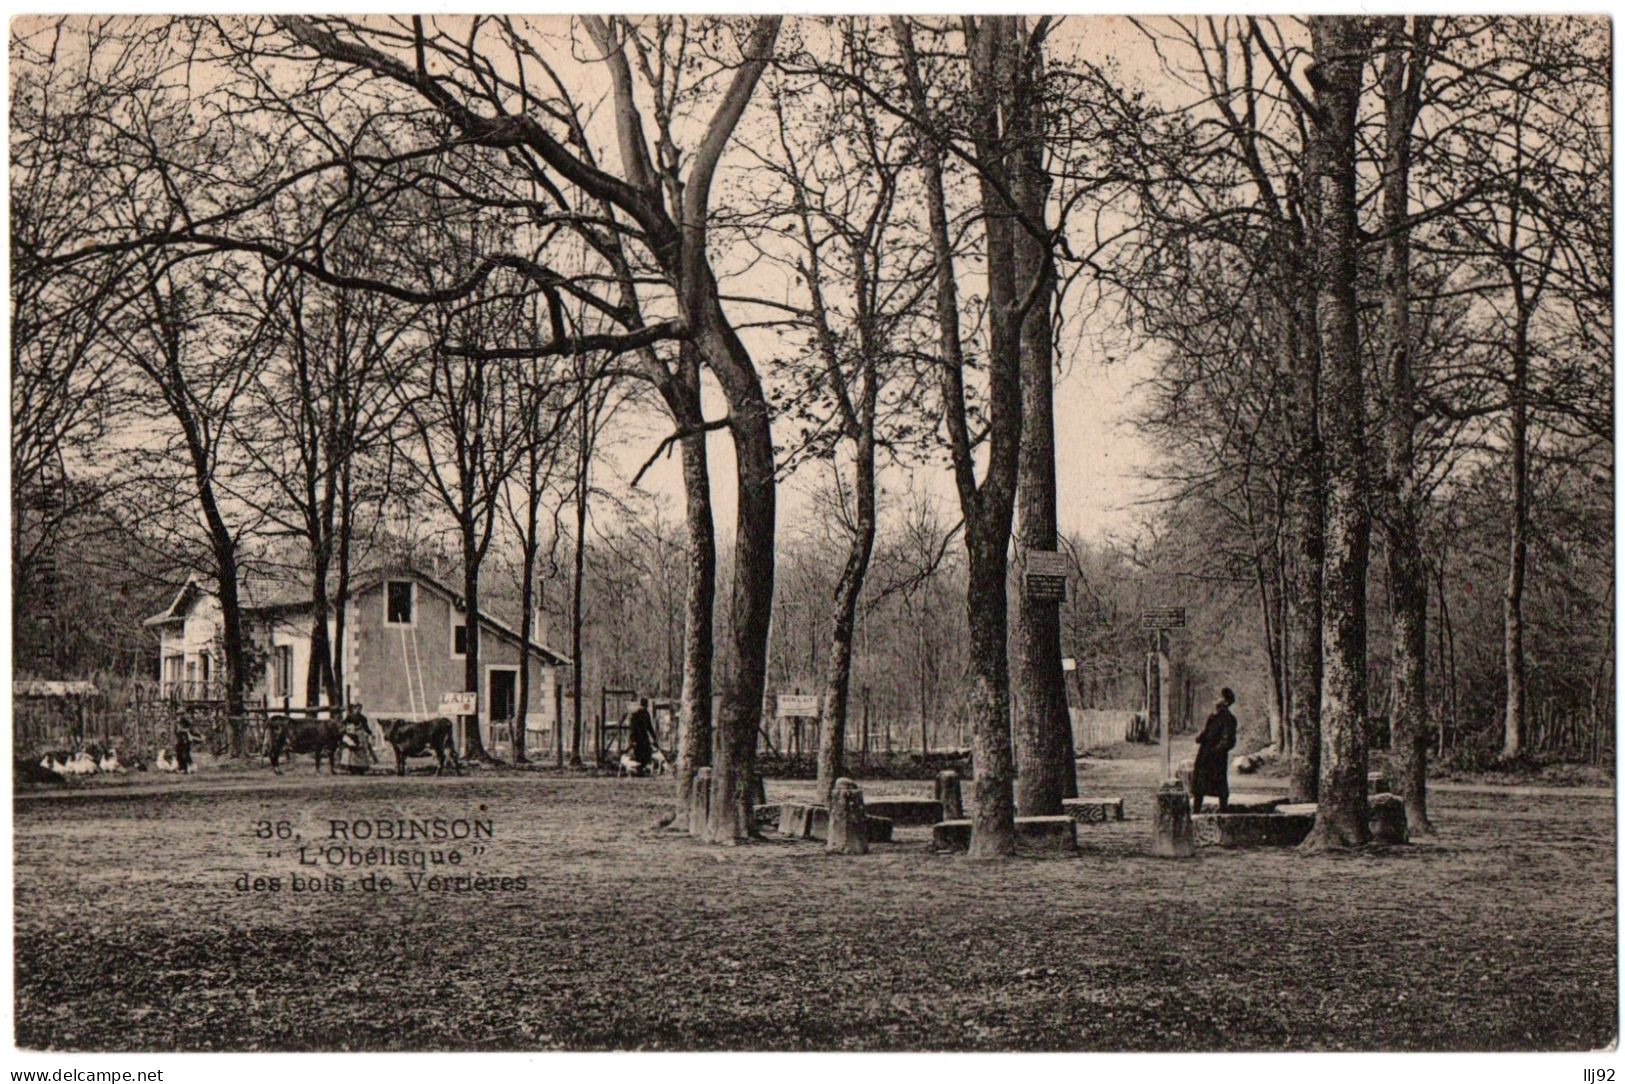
[(1094, 727), (135, 730)]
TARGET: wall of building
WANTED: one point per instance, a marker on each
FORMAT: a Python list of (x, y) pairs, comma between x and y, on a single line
[(381, 666)]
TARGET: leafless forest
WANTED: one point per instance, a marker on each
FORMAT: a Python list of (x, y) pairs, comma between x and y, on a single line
[(295, 295)]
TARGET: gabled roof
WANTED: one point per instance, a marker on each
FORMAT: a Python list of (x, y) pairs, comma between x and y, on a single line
[(268, 594), (178, 608), (373, 580)]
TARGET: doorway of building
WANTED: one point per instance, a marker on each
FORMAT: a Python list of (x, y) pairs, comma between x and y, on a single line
[(502, 696)]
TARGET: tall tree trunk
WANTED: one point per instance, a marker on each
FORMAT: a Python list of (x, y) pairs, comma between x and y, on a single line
[(319, 672), (995, 58), (527, 604), (1518, 548), (1266, 607), (832, 734), (341, 604), (172, 385), (474, 743), (988, 507), (1340, 46), (1403, 71), (1304, 544), (579, 575), (733, 746), (224, 548), (988, 700), (1046, 766), (699, 596)]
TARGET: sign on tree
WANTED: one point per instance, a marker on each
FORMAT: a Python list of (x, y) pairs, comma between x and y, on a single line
[(1046, 575)]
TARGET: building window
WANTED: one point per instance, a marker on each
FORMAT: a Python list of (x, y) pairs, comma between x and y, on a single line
[(399, 602), (172, 673), (459, 634), (282, 670)]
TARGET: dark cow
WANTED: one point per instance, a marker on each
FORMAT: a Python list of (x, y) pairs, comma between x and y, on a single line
[(419, 738), (291, 736)]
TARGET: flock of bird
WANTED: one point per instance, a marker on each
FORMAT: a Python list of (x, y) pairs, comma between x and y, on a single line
[(90, 762)]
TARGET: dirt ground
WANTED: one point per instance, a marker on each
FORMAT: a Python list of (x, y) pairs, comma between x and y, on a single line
[(1497, 933)]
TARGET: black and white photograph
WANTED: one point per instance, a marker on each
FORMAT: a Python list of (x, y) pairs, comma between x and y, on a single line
[(785, 532)]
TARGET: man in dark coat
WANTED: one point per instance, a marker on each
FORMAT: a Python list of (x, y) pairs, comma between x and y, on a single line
[(642, 736), (1218, 737)]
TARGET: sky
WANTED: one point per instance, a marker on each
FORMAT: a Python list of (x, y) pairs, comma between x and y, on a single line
[(1100, 461)]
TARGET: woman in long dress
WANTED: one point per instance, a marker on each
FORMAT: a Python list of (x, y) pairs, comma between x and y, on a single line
[(355, 744)]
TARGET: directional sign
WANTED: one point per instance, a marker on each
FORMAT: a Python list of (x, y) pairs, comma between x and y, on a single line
[(1046, 575), (1167, 617), (798, 706), (455, 704)]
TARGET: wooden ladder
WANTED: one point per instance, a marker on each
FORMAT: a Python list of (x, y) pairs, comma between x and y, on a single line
[(417, 698)]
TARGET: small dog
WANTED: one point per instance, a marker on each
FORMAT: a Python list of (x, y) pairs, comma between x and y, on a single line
[(657, 763), (628, 766)]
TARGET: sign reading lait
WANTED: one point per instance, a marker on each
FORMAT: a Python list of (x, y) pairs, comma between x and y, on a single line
[(455, 704), (798, 706), (1167, 617), (1045, 576)]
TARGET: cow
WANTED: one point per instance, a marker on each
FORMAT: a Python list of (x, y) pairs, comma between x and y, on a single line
[(292, 736), (418, 738)]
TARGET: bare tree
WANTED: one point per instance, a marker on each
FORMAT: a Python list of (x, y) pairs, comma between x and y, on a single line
[(1341, 47)]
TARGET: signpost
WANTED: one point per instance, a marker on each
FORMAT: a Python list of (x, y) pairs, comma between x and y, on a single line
[(793, 708), (455, 704), (1046, 575), (798, 706), (459, 706), (1159, 620), (1165, 617)]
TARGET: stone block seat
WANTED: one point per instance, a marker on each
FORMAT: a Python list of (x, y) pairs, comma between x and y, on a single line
[(804, 820), (1291, 822), (1385, 815), (1032, 833), (767, 817), (1251, 829), (1093, 810), (907, 812), (1247, 802)]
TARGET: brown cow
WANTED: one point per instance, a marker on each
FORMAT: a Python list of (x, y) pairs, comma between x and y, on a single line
[(293, 736), (420, 737)]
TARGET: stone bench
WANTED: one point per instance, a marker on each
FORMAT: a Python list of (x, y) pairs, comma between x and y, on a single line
[(1033, 833), (1249, 803), (1093, 810), (767, 817), (1251, 829), (803, 820), (1385, 816), (908, 812)]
